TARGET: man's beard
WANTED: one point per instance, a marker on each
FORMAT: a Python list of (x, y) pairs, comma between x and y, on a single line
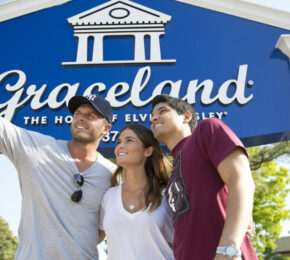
[(84, 139), (91, 138)]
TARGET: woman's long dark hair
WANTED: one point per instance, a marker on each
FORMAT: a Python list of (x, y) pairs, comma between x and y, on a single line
[(157, 167)]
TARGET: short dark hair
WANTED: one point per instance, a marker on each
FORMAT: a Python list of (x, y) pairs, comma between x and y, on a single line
[(180, 106)]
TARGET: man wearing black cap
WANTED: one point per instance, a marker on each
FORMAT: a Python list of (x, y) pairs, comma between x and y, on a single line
[(62, 183)]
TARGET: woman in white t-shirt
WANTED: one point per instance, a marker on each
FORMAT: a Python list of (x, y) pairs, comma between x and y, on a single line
[(134, 214)]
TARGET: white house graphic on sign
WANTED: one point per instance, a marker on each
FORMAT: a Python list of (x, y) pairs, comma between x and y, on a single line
[(118, 19)]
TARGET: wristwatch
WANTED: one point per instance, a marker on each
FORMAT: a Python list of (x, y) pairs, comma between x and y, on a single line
[(229, 250)]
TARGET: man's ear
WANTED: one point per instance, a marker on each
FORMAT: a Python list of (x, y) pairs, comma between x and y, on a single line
[(107, 128), (148, 152), (187, 117)]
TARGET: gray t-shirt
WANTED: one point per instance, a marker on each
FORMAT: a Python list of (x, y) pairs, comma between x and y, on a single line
[(51, 225)]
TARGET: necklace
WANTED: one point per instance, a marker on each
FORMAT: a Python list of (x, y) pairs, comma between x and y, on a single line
[(137, 193)]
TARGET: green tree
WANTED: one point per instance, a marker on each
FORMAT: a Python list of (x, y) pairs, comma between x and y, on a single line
[(270, 255), (267, 153), (271, 191), (8, 242)]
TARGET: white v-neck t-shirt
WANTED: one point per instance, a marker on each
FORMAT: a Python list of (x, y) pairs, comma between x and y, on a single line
[(140, 235)]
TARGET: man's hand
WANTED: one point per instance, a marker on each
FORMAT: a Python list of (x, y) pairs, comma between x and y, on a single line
[(102, 235), (251, 230)]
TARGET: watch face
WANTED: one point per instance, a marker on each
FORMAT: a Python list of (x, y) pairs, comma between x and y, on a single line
[(231, 251)]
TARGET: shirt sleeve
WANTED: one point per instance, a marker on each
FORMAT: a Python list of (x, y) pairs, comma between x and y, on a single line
[(102, 213), (20, 145), (216, 140), (11, 140)]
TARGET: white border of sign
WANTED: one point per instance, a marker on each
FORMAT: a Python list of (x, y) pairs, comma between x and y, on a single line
[(245, 10), (18, 8), (238, 8)]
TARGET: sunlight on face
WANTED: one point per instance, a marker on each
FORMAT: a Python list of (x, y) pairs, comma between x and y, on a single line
[(129, 150)]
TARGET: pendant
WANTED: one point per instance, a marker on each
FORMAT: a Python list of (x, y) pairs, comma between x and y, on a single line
[(132, 206)]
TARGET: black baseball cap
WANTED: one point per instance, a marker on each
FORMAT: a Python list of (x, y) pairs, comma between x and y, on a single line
[(99, 103)]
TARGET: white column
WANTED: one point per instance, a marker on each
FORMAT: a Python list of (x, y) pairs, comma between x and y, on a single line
[(139, 54), (98, 48), (82, 53), (155, 54)]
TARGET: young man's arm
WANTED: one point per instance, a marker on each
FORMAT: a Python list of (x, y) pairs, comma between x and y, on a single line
[(13, 142), (235, 171)]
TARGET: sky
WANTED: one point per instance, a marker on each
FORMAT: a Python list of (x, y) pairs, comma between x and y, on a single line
[(5, 1), (10, 197)]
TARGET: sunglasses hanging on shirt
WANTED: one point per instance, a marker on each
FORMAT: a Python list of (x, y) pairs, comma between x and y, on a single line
[(77, 195)]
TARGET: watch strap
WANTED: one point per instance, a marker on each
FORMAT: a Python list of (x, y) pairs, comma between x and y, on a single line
[(229, 250)]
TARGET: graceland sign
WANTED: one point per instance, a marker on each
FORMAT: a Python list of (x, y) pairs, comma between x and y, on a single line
[(128, 52)]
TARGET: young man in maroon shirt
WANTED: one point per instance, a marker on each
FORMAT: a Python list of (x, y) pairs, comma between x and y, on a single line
[(211, 189)]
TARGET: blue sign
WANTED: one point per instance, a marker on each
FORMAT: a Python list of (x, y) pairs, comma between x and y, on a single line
[(128, 52)]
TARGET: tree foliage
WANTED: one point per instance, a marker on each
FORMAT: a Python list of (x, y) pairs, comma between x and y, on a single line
[(270, 255), (270, 195), (267, 153), (8, 242)]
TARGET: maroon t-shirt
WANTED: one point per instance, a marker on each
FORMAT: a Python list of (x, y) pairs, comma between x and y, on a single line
[(196, 193)]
